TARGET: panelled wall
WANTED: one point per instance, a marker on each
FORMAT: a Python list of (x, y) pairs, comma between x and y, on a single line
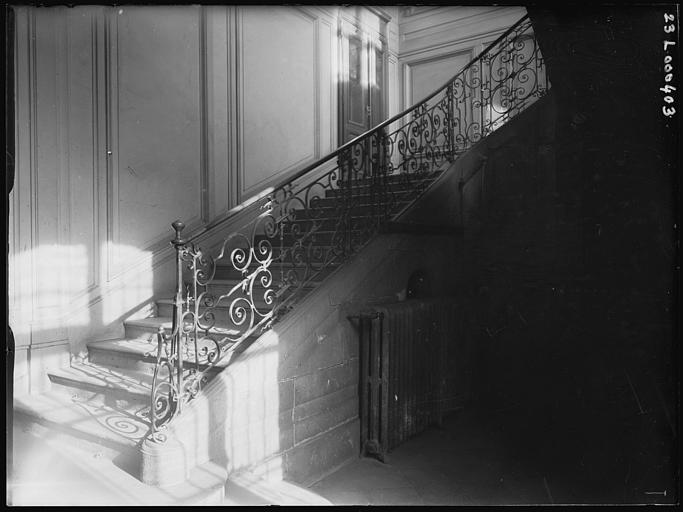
[(128, 118), (437, 41)]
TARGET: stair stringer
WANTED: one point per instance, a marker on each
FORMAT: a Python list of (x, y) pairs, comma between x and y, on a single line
[(287, 406)]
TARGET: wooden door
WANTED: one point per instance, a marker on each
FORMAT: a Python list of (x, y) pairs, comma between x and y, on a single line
[(362, 81)]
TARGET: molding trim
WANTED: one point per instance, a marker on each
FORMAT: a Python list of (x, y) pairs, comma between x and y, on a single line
[(408, 67), (235, 86), (406, 86), (63, 98), (111, 140), (204, 84), (485, 16), (96, 149), (415, 10), (335, 59), (239, 103), (441, 50), (157, 246), (52, 343), (442, 56), (33, 143), (317, 86), (276, 174), (378, 11)]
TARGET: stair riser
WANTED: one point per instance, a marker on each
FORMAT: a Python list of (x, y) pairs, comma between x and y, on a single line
[(373, 189), (366, 197), (325, 240), (220, 289), (81, 392), (332, 212), (222, 314), (368, 203), (328, 210), (397, 178), (127, 361), (361, 206), (124, 360), (328, 224), (148, 334), (226, 272), (259, 302), (141, 332)]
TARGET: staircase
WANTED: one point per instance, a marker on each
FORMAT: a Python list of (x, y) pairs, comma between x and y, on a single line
[(303, 233), (103, 399)]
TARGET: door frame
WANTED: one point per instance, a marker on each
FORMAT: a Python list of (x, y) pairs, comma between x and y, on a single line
[(349, 27)]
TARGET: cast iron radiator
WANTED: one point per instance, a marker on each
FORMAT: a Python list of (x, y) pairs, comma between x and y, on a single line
[(413, 369)]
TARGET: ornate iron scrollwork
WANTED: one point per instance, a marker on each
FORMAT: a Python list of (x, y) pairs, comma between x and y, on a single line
[(326, 213)]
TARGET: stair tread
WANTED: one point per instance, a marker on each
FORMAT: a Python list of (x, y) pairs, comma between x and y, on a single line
[(235, 281), (153, 321), (106, 377), (116, 427), (275, 263), (224, 304), (75, 472), (139, 349), (137, 346)]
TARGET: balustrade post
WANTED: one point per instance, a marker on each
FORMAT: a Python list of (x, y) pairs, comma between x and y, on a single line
[(179, 245), (422, 113), (374, 190), (346, 196), (451, 120), (383, 169)]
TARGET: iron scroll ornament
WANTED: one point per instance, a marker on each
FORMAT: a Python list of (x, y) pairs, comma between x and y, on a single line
[(325, 213)]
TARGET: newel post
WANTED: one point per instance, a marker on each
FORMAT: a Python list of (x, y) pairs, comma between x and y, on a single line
[(176, 351)]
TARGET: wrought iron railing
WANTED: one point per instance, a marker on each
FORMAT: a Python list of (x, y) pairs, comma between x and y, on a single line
[(325, 213)]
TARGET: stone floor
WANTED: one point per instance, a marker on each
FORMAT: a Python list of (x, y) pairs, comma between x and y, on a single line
[(51, 469), (461, 463), (492, 458), (510, 456)]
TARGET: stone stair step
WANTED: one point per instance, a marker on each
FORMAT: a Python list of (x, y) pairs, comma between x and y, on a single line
[(221, 310), (136, 359), (395, 186), (325, 239), (399, 178), (326, 223), (113, 428), (147, 328), (83, 460), (219, 287), (100, 383), (130, 354), (366, 195), (332, 210), (225, 270), (332, 224)]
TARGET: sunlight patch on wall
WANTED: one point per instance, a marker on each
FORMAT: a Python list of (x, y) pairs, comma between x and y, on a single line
[(129, 291), (253, 429), (60, 273)]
